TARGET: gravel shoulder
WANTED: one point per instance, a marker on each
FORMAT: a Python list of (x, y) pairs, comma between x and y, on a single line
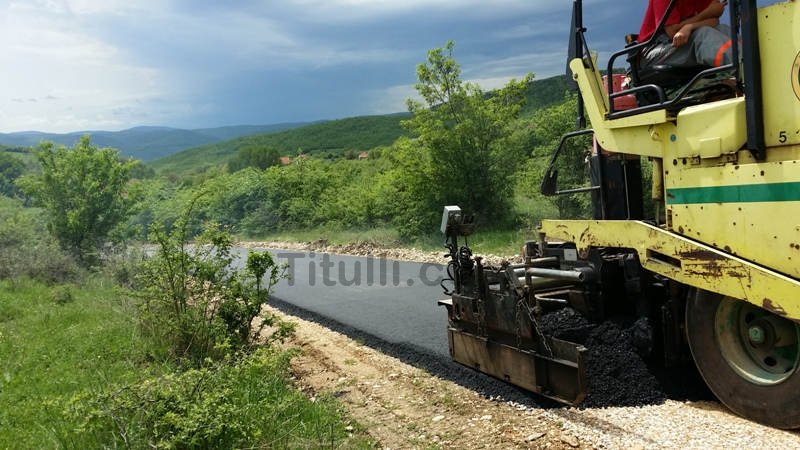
[(370, 249), (403, 406)]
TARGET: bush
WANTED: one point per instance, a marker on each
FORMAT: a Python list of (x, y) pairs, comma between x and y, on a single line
[(27, 250), (194, 305), (465, 152), (11, 168), (85, 191), (246, 403)]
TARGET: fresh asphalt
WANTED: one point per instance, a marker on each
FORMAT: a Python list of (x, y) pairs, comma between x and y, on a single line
[(392, 306), (394, 301), (396, 313)]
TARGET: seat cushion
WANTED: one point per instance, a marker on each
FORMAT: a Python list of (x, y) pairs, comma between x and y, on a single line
[(668, 76)]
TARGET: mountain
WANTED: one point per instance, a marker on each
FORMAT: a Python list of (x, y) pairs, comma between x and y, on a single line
[(145, 143), (336, 136), (331, 137)]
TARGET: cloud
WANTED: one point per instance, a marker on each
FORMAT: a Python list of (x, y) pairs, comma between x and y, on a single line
[(367, 10), (50, 58), (391, 100), (194, 63)]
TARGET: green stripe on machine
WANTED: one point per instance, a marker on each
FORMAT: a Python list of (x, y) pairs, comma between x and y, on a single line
[(767, 192)]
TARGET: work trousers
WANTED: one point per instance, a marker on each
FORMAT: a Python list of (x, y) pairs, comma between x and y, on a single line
[(707, 46)]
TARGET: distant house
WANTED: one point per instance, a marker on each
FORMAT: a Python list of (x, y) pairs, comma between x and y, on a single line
[(285, 160), (363, 155)]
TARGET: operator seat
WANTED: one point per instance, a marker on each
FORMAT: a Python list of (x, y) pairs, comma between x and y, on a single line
[(671, 79)]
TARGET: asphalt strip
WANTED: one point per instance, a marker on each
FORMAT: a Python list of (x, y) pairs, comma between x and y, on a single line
[(617, 375)]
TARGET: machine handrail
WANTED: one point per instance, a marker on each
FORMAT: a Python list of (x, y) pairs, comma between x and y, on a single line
[(636, 47), (663, 103)]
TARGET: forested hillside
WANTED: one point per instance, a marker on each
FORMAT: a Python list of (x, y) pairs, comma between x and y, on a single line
[(331, 137), (337, 136), (144, 143)]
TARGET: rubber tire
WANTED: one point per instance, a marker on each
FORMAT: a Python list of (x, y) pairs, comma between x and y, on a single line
[(776, 405)]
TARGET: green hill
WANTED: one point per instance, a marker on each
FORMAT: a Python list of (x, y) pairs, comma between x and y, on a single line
[(22, 153), (545, 92), (354, 133), (335, 136), (144, 143)]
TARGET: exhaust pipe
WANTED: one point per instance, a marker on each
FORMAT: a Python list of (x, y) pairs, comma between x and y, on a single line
[(579, 275)]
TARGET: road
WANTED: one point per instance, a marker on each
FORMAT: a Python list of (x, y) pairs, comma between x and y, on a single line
[(393, 301), (396, 313), (392, 306)]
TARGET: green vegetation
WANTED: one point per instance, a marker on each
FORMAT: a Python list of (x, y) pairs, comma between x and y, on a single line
[(72, 375), (326, 138), (333, 139), (256, 156), (85, 191), (144, 143), (51, 351), (485, 151), (194, 305), (246, 403), (11, 168), (167, 355), (544, 93), (26, 248), (465, 154)]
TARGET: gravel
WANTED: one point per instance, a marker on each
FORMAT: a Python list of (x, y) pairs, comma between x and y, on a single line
[(683, 420), (376, 250), (434, 364)]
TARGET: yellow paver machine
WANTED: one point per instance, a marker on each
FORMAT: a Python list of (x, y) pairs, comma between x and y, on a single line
[(714, 271)]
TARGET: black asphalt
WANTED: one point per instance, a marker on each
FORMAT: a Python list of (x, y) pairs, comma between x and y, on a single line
[(388, 299), (396, 314), (392, 306)]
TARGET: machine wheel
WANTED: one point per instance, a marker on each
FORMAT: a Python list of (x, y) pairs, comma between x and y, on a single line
[(748, 356)]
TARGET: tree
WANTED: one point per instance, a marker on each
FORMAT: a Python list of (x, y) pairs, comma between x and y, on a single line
[(466, 133), (257, 156), (84, 190), (11, 168), (549, 125)]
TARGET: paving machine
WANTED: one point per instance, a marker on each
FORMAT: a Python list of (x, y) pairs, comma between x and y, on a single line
[(714, 270)]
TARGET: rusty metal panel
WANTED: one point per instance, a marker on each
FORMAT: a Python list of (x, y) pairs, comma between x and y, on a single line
[(687, 261), (561, 377)]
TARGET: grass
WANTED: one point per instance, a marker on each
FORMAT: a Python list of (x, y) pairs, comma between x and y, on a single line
[(64, 357), (48, 352)]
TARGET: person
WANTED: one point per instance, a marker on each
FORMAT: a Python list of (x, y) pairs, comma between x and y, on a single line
[(692, 35)]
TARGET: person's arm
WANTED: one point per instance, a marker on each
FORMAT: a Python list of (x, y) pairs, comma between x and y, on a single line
[(681, 37), (680, 33)]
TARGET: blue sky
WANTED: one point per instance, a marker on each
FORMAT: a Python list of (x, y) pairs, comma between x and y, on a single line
[(79, 64)]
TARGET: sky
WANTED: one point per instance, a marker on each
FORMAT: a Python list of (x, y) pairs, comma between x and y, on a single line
[(72, 65)]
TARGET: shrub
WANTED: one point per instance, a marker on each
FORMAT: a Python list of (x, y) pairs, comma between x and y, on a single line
[(61, 295), (245, 403), (27, 250), (194, 305)]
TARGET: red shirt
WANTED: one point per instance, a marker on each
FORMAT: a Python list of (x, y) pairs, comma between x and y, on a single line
[(656, 9)]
